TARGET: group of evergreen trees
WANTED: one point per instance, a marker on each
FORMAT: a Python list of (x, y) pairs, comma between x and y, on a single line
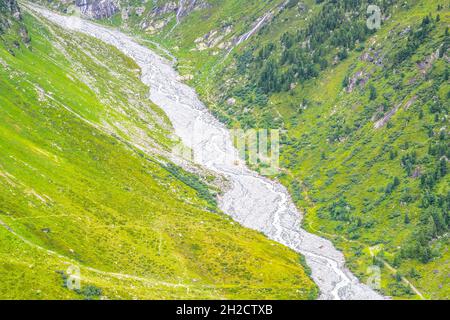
[(434, 220), (337, 28), (415, 39)]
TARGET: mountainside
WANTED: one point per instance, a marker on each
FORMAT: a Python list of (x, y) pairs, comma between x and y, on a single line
[(365, 114), (11, 28), (88, 186), (366, 147)]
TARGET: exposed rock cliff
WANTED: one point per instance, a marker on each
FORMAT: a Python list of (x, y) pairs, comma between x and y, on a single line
[(160, 15)]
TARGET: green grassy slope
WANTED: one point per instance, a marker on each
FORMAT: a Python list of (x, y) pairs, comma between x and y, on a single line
[(75, 189)]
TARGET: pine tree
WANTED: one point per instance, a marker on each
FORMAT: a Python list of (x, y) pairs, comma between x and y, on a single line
[(373, 93), (407, 220)]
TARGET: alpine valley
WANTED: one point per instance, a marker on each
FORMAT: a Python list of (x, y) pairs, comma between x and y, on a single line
[(101, 101)]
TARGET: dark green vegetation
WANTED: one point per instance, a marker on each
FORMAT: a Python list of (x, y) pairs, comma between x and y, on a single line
[(85, 182)]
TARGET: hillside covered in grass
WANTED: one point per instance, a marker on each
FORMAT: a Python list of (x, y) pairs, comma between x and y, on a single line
[(86, 182), (365, 114)]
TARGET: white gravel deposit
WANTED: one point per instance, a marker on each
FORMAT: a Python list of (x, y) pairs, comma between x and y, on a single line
[(253, 201)]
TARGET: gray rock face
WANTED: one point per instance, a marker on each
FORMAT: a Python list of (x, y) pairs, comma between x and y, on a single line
[(187, 6), (10, 16), (97, 9), (252, 200), (182, 7), (158, 16), (9, 11)]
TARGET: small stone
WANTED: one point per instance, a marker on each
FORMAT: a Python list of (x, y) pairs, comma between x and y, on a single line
[(231, 101)]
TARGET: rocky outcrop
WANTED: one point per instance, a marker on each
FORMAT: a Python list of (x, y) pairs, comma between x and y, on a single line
[(360, 79), (181, 8), (218, 38), (9, 12), (373, 56), (383, 121), (10, 16), (157, 18), (11, 7), (185, 7), (213, 39), (161, 15), (425, 65), (97, 9)]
